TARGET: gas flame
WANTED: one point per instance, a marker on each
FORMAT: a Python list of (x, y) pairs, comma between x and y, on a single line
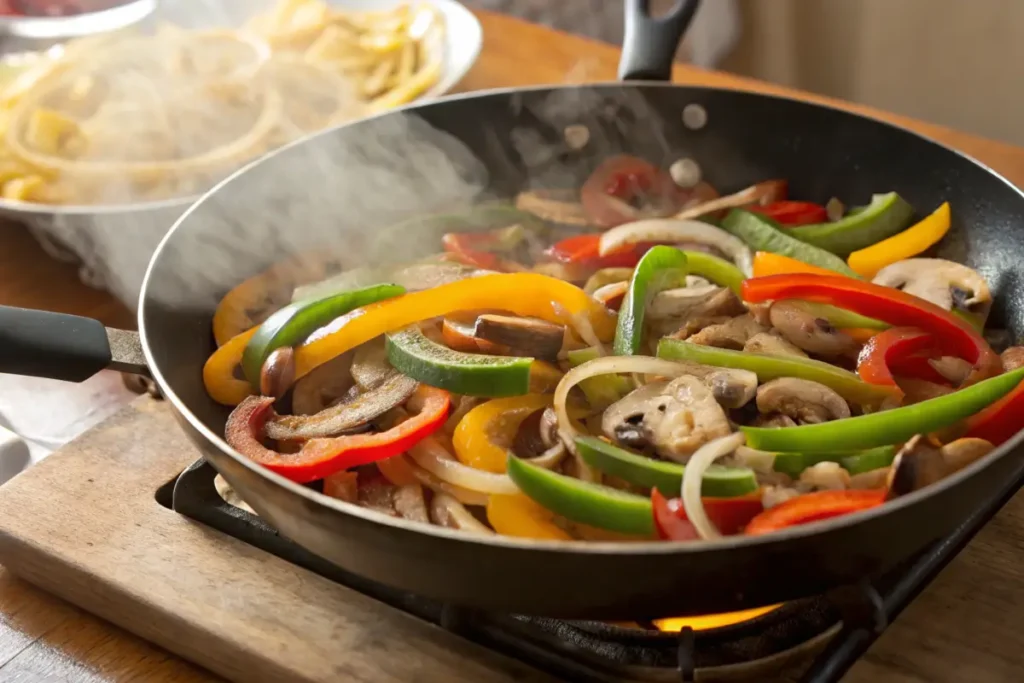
[(710, 621)]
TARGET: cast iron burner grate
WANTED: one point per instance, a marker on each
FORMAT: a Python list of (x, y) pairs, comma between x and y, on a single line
[(839, 627)]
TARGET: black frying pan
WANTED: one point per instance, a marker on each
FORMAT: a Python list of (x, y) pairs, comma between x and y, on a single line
[(327, 193)]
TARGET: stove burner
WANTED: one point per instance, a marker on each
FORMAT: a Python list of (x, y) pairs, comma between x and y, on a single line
[(841, 625)]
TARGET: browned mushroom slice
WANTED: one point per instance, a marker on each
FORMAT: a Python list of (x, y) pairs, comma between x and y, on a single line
[(1012, 358), (324, 386), (278, 372), (732, 334), (803, 400), (524, 336), (410, 503), (954, 369), (810, 333), (344, 417), (922, 462), (370, 366), (772, 345), (917, 390), (695, 301), (947, 284), (673, 419)]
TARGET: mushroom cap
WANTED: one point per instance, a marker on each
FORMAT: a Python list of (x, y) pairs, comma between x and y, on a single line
[(801, 399), (944, 283)]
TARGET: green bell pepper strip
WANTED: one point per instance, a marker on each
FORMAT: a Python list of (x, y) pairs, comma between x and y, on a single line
[(886, 215), (293, 323), (413, 354), (583, 502), (886, 427), (841, 317), (603, 390), (761, 235), (660, 268), (853, 462), (845, 383), (718, 271), (667, 477)]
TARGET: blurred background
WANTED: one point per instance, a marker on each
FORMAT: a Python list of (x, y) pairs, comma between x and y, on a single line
[(952, 62)]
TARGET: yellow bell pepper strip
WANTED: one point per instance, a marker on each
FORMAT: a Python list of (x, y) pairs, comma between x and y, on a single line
[(909, 243), (761, 234), (521, 517), (843, 382), (525, 294), (319, 458), (886, 427), (484, 436), (293, 323), (658, 269), (219, 371), (885, 216), (581, 501), (767, 263)]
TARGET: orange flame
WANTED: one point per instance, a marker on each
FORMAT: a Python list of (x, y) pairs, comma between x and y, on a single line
[(709, 621)]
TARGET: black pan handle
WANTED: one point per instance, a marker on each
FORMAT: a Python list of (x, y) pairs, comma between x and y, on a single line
[(65, 347), (650, 44)]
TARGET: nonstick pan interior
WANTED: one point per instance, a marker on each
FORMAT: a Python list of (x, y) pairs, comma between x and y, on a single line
[(337, 191)]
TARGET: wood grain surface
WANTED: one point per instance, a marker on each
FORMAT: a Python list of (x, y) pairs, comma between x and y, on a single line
[(967, 627)]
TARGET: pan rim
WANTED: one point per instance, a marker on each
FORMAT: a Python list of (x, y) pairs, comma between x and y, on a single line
[(586, 548)]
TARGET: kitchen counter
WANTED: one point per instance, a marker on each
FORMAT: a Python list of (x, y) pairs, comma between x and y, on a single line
[(45, 639)]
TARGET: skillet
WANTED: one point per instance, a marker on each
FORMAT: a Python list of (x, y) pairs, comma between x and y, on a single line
[(330, 193)]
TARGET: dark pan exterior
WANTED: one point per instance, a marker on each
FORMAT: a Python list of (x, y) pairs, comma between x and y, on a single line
[(280, 204)]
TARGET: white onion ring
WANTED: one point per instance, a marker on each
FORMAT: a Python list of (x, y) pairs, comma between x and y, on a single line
[(762, 462), (458, 512), (693, 475), (678, 230), (434, 458), (435, 484)]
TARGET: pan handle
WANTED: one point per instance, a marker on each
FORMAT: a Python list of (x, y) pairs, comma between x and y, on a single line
[(650, 43), (65, 347)]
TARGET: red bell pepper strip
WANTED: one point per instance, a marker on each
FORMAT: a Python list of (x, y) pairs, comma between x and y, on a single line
[(951, 334), (470, 249), (814, 507), (319, 458), (612, 193), (791, 213), (1001, 421), (896, 351), (584, 251), (729, 515)]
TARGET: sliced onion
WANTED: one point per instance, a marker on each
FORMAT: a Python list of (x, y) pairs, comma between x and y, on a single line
[(762, 462), (607, 276), (435, 459), (608, 293), (443, 508), (437, 485), (694, 474), (762, 193), (678, 230)]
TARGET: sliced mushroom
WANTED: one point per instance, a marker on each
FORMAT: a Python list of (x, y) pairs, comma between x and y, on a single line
[(1012, 358), (922, 462), (772, 345), (324, 386), (917, 390), (448, 512), (945, 283), (697, 301), (524, 336), (801, 399), (673, 419), (733, 334), (549, 428), (774, 421), (529, 442), (812, 334), (825, 476), (410, 503), (872, 479), (952, 368), (370, 366), (278, 372), (344, 417), (692, 326)]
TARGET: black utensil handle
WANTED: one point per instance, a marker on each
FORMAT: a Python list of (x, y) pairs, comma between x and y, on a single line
[(650, 44), (54, 345)]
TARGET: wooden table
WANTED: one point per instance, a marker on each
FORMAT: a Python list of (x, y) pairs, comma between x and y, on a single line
[(45, 639)]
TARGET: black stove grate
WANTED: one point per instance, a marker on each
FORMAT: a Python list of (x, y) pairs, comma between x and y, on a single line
[(598, 652)]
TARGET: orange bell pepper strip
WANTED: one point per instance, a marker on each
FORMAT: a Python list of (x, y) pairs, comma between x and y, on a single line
[(521, 517), (483, 437), (525, 294), (911, 242), (767, 263)]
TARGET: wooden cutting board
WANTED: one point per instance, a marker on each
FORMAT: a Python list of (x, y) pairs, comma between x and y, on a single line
[(85, 524)]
